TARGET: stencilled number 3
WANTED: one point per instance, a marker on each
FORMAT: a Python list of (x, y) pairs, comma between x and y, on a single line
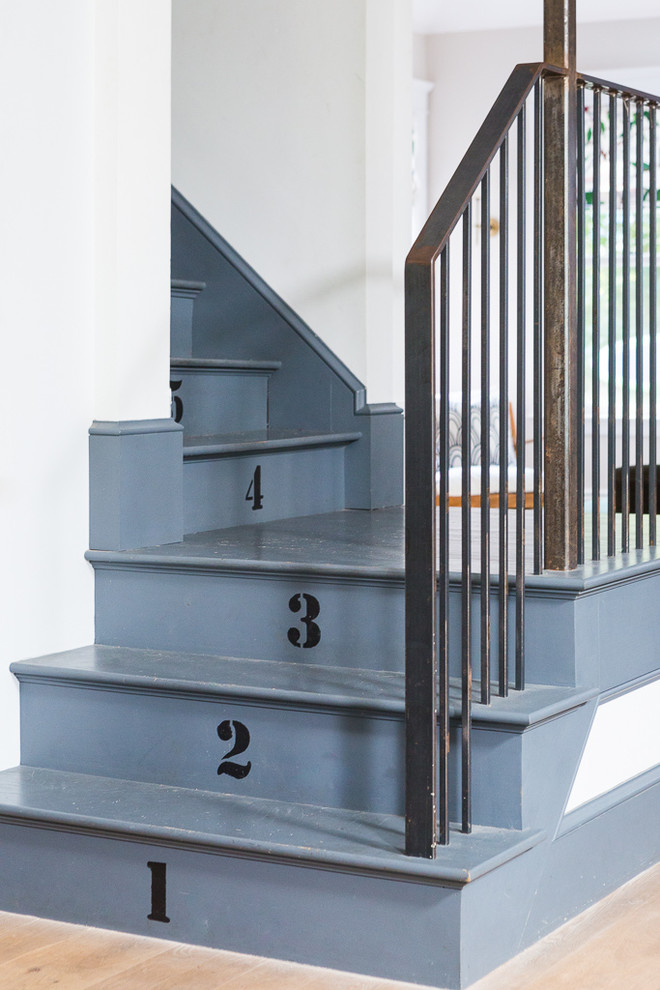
[(234, 730), (312, 612)]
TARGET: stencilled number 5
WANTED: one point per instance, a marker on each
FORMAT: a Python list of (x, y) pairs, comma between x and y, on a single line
[(234, 730), (312, 612), (177, 402)]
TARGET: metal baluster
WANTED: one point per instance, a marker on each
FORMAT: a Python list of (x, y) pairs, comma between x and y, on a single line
[(653, 274), (421, 572), (639, 326), (443, 538), (485, 439), (595, 338), (581, 297), (625, 435), (466, 591), (538, 330), (504, 423), (520, 409), (611, 336)]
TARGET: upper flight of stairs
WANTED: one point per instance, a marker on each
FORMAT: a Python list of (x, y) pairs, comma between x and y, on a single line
[(225, 765)]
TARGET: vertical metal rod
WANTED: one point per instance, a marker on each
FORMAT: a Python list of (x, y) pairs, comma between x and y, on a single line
[(420, 591), (520, 406), (466, 576), (581, 309), (538, 330), (485, 439), (443, 571), (421, 657), (611, 335), (504, 423), (639, 325), (653, 275), (625, 416), (595, 337)]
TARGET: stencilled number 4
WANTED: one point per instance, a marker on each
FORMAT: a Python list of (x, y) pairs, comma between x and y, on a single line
[(254, 493)]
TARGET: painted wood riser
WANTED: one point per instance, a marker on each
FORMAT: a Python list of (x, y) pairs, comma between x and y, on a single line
[(293, 483)]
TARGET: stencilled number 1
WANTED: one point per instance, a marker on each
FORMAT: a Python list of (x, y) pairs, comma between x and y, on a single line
[(254, 493), (312, 611), (158, 892)]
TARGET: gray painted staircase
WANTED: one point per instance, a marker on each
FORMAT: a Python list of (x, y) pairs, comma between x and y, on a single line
[(225, 765)]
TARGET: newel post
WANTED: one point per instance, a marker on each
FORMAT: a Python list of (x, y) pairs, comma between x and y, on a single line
[(559, 288)]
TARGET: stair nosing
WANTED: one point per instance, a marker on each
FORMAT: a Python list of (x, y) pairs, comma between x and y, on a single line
[(392, 864), (562, 700), (250, 365), (231, 565), (293, 441), (190, 689)]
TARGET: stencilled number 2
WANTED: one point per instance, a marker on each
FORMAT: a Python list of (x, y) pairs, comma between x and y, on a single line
[(312, 611), (239, 733), (254, 493)]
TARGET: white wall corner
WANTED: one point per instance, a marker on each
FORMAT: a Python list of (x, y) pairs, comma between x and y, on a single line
[(132, 85), (388, 190)]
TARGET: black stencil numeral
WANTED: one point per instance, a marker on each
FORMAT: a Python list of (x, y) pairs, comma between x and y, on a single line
[(313, 608), (254, 493), (177, 403), (239, 733), (158, 892)]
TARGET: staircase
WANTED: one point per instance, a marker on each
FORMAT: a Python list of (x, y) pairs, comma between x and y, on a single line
[(225, 766)]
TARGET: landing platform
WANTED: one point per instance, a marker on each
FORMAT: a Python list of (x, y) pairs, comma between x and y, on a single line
[(362, 544)]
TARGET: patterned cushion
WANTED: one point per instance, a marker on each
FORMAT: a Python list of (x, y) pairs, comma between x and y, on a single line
[(456, 431)]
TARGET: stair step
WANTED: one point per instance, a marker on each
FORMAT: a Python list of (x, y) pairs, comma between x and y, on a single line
[(186, 596), (228, 477), (257, 828), (315, 735), (220, 395), (183, 292)]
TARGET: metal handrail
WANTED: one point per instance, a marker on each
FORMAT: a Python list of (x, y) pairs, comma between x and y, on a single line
[(427, 708), (427, 572), (448, 210)]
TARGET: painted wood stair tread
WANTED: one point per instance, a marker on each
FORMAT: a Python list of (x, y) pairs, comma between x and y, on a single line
[(261, 441), (349, 543), (277, 682), (260, 828)]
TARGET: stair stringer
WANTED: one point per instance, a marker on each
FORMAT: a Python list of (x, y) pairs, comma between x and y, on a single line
[(238, 315)]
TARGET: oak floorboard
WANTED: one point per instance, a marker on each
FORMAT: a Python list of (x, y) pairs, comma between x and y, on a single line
[(183, 966), (75, 961), (21, 934)]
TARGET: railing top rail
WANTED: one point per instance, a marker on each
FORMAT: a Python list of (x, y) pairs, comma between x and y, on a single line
[(613, 87), (448, 210)]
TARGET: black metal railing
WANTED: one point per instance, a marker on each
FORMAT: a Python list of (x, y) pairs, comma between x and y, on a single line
[(617, 329), (498, 478), (564, 307)]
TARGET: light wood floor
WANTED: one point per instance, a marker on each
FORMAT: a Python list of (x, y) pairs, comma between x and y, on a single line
[(613, 946)]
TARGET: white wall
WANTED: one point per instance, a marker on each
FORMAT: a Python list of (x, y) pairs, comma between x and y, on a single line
[(59, 216), (468, 70), (291, 134)]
